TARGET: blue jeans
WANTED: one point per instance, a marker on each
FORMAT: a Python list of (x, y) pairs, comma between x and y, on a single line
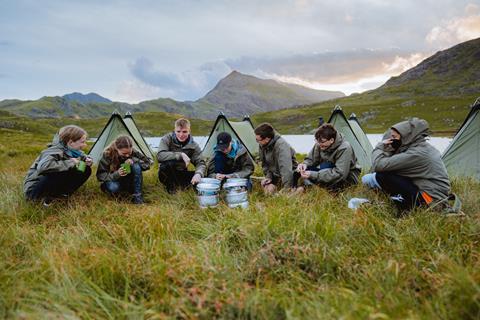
[(131, 183), (56, 184)]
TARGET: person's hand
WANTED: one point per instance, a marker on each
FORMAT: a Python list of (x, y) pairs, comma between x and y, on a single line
[(301, 167), (122, 172), (265, 181), (305, 174), (89, 161), (387, 141), (129, 160), (220, 176), (76, 160), (185, 159), (196, 178)]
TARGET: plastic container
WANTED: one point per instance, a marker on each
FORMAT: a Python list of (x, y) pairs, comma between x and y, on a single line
[(236, 192), (210, 181), (355, 203), (208, 194)]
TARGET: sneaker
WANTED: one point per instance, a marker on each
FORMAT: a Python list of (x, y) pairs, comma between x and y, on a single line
[(137, 199)]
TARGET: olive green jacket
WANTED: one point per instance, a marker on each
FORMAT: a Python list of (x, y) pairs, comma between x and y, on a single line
[(104, 172), (415, 159), (170, 149), (242, 165), (346, 168), (278, 160)]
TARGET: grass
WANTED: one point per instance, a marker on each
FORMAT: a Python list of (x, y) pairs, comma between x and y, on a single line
[(283, 258)]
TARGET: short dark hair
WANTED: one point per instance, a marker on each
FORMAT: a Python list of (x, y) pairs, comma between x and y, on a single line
[(326, 131), (265, 130)]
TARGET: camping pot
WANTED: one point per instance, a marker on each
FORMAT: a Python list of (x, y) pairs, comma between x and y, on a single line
[(237, 195), (207, 194), (210, 181)]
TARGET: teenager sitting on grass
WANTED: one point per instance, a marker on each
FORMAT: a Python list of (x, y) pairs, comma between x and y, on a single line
[(175, 152), (120, 169), (407, 167), (278, 160), (231, 159), (60, 169), (331, 163)]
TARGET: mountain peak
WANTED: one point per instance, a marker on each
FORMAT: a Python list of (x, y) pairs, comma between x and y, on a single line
[(91, 97)]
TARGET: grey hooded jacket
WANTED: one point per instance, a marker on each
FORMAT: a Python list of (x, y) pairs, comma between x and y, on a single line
[(242, 164), (170, 149), (415, 159), (341, 154), (278, 160), (52, 159)]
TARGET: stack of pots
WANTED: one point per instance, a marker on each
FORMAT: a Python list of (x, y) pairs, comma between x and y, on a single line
[(207, 192)]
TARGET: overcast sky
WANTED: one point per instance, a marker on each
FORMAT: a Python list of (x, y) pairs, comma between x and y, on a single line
[(145, 49)]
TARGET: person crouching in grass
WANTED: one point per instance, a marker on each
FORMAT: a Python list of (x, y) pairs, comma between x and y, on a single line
[(231, 160), (331, 163), (60, 169), (278, 159), (120, 169)]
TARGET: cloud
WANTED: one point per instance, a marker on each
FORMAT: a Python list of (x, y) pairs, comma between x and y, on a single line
[(184, 85), (458, 29)]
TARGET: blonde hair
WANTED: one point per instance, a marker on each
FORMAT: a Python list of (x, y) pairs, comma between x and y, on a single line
[(71, 132), (122, 142), (182, 123)]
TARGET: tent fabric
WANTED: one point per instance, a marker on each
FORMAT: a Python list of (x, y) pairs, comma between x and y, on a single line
[(115, 127), (360, 134), (242, 131), (462, 156), (132, 126), (354, 137)]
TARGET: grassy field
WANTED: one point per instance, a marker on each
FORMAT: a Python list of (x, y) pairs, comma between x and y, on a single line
[(285, 257)]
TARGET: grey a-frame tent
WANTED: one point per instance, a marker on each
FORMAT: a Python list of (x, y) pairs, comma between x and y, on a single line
[(362, 137), (115, 127), (462, 156), (132, 126), (242, 131), (356, 140)]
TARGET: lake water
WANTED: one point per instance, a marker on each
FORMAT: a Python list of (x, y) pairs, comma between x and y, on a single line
[(304, 143)]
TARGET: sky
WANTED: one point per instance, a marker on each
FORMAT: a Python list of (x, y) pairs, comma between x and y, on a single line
[(139, 50)]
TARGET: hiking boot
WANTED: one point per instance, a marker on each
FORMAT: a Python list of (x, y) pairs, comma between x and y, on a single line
[(137, 199), (47, 202)]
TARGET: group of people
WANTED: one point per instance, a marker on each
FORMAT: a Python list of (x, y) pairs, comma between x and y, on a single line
[(404, 165)]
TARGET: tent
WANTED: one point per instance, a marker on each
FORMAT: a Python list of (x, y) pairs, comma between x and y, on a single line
[(462, 156), (116, 126), (353, 136), (362, 137), (242, 131)]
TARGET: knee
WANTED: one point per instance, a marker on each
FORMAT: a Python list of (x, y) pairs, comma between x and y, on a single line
[(136, 168), (270, 188), (111, 187)]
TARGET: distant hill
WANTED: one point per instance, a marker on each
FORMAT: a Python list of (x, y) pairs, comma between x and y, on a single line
[(235, 95), (239, 94), (86, 98), (440, 89)]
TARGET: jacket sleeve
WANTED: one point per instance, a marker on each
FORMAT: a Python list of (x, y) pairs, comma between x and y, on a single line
[(383, 160), (103, 171), (54, 162), (338, 173), (247, 167), (164, 153), (265, 167), (198, 161), (211, 168), (142, 160), (284, 158)]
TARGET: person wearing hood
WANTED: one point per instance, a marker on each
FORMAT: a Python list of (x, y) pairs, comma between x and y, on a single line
[(231, 159), (120, 169), (175, 152), (407, 167), (278, 160), (332, 162), (60, 169)]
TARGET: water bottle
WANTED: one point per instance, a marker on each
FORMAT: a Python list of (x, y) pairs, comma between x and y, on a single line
[(355, 203)]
